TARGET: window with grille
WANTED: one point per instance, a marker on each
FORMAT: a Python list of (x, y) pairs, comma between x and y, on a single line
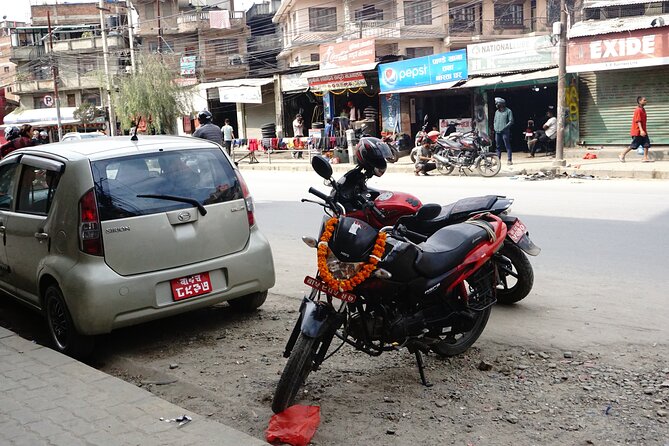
[(418, 12), (420, 51), (553, 13), (322, 19), (623, 11), (368, 12), (315, 57), (462, 18), (509, 15)]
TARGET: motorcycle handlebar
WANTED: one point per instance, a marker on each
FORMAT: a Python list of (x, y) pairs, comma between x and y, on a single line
[(319, 194)]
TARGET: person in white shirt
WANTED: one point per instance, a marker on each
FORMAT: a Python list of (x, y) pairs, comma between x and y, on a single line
[(298, 132), (228, 135), (546, 136)]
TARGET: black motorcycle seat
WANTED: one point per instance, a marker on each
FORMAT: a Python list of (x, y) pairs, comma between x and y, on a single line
[(454, 212), (447, 248)]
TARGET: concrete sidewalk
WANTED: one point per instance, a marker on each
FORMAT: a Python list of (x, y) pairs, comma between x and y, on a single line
[(606, 165), (49, 398)]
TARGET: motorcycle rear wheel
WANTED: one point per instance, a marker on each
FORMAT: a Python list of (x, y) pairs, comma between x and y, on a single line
[(452, 345), (298, 367), (489, 165), (445, 169), (519, 271)]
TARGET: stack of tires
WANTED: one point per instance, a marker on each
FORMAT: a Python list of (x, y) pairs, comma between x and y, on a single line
[(268, 130)]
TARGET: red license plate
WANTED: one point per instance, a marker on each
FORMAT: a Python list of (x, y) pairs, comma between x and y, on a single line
[(322, 286), (191, 286), (517, 231)]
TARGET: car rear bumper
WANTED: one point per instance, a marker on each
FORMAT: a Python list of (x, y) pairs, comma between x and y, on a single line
[(100, 300)]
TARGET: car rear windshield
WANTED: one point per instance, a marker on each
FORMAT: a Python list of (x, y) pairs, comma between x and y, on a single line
[(205, 175)]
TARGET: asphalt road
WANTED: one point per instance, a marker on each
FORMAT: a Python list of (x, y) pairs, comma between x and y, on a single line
[(600, 280)]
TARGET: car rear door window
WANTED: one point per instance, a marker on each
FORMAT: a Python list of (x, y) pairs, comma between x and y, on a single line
[(37, 187), (7, 185), (121, 184)]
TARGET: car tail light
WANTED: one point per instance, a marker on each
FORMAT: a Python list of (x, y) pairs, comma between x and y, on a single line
[(90, 236), (248, 199)]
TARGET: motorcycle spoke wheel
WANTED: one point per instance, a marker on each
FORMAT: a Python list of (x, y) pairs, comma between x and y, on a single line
[(489, 165), (295, 373), (453, 344), (445, 169), (516, 276)]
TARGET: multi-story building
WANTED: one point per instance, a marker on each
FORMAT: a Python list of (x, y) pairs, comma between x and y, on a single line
[(264, 43), (8, 100), (210, 31), (77, 53)]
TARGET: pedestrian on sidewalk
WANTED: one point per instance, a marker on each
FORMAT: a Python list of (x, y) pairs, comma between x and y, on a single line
[(228, 135), (639, 133), (298, 133), (502, 126)]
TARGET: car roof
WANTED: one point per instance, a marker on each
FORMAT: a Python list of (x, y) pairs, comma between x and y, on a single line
[(116, 146)]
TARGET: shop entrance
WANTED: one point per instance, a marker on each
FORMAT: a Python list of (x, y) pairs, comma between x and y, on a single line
[(439, 106), (526, 103), (306, 104), (221, 111)]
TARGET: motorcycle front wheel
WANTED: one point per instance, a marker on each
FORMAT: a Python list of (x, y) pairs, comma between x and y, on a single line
[(298, 367), (489, 165), (515, 274), (445, 169), (455, 344)]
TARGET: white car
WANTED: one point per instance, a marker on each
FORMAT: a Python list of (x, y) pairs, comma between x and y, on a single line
[(76, 136), (109, 233)]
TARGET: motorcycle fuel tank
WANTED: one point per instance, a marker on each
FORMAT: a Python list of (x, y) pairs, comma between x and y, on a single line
[(396, 204)]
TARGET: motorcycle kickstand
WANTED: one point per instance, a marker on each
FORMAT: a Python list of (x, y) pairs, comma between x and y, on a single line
[(421, 368)]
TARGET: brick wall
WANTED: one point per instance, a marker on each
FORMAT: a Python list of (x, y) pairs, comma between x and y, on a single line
[(66, 14)]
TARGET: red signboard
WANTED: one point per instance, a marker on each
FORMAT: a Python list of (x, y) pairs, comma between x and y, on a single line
[(640, 48), (347, 54), (338, 81)]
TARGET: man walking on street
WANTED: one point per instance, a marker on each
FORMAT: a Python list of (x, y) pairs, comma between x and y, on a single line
[(207, 129), (502, 126), (639, 133), (228, 136)]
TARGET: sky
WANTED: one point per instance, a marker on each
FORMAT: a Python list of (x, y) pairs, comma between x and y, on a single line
[(20, 9)]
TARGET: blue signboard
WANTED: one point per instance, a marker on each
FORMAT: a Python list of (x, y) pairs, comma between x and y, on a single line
[(421, 71)]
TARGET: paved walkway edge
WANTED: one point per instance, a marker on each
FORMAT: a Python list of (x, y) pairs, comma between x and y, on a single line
[(49, 398)]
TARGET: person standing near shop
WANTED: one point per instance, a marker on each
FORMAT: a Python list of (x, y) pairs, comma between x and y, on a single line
[(639, 133), (502, 126), (228, 135), (298, 132)]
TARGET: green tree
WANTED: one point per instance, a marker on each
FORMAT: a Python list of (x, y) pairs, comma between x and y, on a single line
[(151, 94)]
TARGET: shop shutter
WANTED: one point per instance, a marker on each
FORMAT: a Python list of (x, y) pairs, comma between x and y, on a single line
[(607, 100)]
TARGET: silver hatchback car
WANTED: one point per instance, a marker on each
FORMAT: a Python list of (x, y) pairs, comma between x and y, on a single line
[(105, 233)]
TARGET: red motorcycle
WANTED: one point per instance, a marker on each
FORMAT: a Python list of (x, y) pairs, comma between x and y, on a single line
[(384, 208)]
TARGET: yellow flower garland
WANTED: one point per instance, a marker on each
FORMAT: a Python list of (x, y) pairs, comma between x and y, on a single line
[(365, 271)]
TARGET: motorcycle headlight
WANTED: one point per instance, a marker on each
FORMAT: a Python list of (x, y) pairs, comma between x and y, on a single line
[(342, 270)]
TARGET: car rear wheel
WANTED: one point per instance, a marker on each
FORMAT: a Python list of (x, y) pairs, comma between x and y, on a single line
[(249, 302), (64, 335)]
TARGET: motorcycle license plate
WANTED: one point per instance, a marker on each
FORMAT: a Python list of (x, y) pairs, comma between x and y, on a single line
[(517, 231), (322, 286), (190, 286)]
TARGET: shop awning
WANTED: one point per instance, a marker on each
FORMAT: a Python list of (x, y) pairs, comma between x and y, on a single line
[(41, 117), (431, 87), (334, 71), (541, 75), (247, 82)]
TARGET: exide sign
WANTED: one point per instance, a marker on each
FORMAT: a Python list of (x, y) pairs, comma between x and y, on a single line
[(641, 48)]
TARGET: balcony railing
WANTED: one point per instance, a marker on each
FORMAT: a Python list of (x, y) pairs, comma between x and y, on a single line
[(263, 9), (487, 28), (23, 53), (87, 44), (377, 28), (465, 27), (191, 22), (264, 43)]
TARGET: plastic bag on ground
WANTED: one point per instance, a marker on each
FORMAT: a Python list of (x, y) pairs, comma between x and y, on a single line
[(295, 425)]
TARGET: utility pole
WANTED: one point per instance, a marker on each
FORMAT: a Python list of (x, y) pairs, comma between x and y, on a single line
[(160, 32), (561, 87), (54, 72), (131, 36), (105, 55)]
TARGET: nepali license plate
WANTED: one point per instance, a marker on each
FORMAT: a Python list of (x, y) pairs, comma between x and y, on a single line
[(322, 286), (191, 286), (517, 231)]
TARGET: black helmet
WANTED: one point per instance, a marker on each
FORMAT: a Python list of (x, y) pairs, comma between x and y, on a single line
[(373, 155), (12, 133), (204, 117)]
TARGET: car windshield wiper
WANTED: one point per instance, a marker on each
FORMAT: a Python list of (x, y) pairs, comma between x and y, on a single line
[(192, 201)]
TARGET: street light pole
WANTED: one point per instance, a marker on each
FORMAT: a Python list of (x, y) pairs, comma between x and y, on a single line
[(131, 36), (561, 87), (54, 72), (105, 54)]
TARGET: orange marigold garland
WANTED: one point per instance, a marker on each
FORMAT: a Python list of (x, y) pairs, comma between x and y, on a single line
[(365, 271)]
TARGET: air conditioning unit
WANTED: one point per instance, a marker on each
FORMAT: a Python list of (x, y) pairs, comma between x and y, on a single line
[(236, 59)]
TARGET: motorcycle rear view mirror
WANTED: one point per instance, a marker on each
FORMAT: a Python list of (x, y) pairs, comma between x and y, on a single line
[(428, 211), (322, 167)]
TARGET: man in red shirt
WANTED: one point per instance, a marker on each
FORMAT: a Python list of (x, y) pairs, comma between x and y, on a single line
[(638, 132)]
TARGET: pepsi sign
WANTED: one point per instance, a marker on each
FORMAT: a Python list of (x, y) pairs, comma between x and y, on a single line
[(421, 71)]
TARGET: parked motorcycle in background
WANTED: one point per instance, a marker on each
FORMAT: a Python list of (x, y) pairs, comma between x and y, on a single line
[(466, 151), (379, 291)]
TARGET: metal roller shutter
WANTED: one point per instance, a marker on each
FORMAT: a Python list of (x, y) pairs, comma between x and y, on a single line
[(607, 100)]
